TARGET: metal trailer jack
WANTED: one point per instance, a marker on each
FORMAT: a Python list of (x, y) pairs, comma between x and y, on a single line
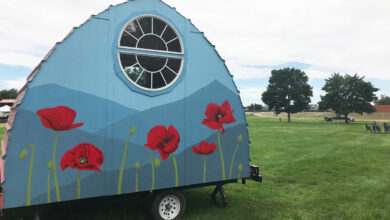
[(219, 188), (254, 175)]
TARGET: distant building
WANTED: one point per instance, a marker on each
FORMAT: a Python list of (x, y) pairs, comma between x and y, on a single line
[(9, 102), (313, 108), (4, 111), (382, 108)]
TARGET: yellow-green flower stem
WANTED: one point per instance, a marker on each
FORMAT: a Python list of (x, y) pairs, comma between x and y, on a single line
[(28, 202), (239, 170), (152, 159), (55, 169), (153, 177), (78, 185), (48, 186), (176, 175), (220, 152), (204, 169), (136, 181), (137, 166), (231, 164), (119, 191)]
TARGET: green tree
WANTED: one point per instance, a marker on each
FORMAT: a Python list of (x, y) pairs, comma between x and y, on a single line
[(8, 94), (383, 100), (347, 94), (288, 91)]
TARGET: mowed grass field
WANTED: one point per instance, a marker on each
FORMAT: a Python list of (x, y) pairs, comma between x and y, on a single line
[(376, 116), (311, 170)]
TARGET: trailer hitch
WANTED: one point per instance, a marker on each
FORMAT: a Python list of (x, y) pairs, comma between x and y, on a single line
[(218, 188), (254, 175)]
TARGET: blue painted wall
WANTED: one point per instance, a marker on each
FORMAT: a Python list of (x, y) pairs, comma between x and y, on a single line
[(82, 74)]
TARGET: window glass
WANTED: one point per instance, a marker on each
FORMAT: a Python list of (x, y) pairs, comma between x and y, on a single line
[(174, 64), (152, 42), (134, 29), (133, 72), (150, 63), (146, 24), (169, 34), (158, 80), (174, 46), (128, 41), (168, 75), (128, 60), (158, 26), (145, 80)]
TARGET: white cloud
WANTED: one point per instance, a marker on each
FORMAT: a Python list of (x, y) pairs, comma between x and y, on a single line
[(340, 36), (251, 95), (317, 93), (317, 73), (16, 59), (13, 84), (28, 29), (350, 36)]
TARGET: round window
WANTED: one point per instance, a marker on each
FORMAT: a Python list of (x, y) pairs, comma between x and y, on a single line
[(151, 53)]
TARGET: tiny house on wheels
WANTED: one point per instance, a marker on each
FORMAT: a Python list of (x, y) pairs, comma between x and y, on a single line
[(135, 100)]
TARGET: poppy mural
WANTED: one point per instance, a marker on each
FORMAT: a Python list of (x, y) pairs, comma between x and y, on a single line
[(84, 156), (60, 118), (162, 112), (205, 149), (165, 141)]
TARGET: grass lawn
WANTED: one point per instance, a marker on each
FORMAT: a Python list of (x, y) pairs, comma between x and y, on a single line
[(377, 116), (311, 170)]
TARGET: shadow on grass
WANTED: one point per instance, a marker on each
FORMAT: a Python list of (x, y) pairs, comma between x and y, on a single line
[(132, 207)]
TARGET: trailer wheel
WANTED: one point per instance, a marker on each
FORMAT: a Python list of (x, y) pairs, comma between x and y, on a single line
[(169, 204)]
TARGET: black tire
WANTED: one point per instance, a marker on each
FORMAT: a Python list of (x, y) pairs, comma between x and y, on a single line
[(166, 203)]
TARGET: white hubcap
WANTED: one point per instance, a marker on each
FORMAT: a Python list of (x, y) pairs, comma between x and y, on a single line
[(169, 207)]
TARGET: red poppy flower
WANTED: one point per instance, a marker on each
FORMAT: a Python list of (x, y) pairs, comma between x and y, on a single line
[(204, 148), (84, 156), (164, 140), (217, 115), (60, 118)]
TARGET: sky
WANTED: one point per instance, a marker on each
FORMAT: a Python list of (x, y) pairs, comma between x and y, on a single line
[(320, 37)]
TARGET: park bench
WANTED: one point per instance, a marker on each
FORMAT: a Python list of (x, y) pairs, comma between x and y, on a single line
[(386, 128), (368, 128), (376, 127)]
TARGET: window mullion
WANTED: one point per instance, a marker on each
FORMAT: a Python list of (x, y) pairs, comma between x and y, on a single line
[(142, 30), (166, 26), (171, 40), (172, 70), (151, 80), (150, 52), (140, 75), (163, 78)]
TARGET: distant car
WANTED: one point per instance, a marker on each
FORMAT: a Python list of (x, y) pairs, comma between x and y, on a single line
[(338, 117)]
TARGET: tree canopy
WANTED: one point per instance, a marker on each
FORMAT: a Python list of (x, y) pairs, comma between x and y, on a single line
[(8, 94), (347, 94), (383, 100), (288, 91)]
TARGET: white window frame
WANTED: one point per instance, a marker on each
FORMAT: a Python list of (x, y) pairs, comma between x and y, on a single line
[(159, 36), (155, 72), (165, 54)]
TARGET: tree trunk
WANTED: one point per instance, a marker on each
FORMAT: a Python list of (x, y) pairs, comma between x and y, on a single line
[(346, 118), (289, 117)]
